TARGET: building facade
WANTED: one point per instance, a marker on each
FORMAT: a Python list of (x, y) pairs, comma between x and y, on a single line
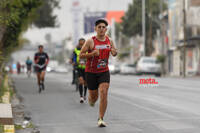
[(176, 37)]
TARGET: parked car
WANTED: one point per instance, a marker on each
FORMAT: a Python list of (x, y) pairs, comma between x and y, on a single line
[(148, 65), (128, 69), (114, 69), (48, 69), (52, 66), (61, 69)]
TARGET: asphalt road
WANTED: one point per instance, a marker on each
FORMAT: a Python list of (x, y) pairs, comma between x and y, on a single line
[(170, 107)]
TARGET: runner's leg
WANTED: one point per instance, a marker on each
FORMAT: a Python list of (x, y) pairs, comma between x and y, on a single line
[(42, 76), (92, 88), (38, 77), (42, 79), (93, 96), (73, 76), (81, 82), (103, 90), (85, 92), (85, 85), (39, 81)]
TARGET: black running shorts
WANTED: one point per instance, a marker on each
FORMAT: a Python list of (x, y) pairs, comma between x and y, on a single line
[(81, 73), (94, 79)]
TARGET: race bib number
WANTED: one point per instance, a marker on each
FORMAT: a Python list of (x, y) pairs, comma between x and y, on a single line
[(102, 63), (105, 46)]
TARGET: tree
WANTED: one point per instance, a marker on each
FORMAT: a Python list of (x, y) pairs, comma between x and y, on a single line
[(132, 21), (15, 18), (45, 17), (17, 15)]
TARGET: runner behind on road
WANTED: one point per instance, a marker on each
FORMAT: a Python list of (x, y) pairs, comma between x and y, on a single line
[(41, 60), (18, 67), (99, 48), (81, 70), (29, 65), (73, 71)]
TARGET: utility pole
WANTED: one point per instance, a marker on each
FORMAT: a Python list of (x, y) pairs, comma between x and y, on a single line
[(113, 60), (113, 30), (185, 36), (76, 10), (143, 27), (163, 50), (161, 26), (149, 46), (131, 50)]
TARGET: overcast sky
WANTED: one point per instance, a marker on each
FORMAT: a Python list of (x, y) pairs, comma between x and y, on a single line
[(65, 18)]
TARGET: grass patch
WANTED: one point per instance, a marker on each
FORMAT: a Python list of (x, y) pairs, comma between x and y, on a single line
[(11, 92), (19, 127), (2, 89), (30, 125), (1, 128)]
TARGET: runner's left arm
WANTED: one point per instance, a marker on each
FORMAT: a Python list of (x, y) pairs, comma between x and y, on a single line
[(36, 60), (113, 48), (47, 59)]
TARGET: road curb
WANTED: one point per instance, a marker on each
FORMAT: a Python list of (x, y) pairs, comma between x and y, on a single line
[(6, 115)]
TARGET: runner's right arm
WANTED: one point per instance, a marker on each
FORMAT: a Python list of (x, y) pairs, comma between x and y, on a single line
[(47, 59), (86, 47), (36, 60)]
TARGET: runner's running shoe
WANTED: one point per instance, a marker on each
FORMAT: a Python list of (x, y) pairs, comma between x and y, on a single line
[(40, 88), (81, 100), (85, 98), (101, 123), (91, 103), (43, 87)]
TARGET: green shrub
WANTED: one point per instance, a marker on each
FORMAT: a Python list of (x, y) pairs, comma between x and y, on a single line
[(161, 58)]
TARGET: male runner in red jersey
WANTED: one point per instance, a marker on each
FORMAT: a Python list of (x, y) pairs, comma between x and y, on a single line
[(97, 50)]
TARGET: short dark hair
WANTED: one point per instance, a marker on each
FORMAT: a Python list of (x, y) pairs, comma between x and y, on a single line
[(101, 20), (81, 39), (40, 46)]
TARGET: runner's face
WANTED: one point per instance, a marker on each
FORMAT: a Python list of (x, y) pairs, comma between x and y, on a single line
[(81, 42), (40, 49), (101, 29)]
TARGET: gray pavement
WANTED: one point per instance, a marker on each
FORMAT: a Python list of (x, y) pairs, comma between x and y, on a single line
[(170, 107)]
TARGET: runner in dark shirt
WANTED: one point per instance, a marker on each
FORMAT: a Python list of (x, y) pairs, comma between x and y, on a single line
[(41, 60)]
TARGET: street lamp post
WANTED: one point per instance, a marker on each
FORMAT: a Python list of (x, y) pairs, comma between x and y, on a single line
[(184, 46), (143, 27)]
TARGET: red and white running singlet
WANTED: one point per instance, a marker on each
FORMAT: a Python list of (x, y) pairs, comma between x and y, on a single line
[(98, 64)]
